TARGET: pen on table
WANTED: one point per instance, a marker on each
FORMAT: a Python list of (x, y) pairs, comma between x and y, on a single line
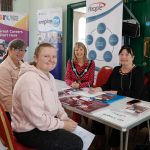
[(96, 98), (89, 86)]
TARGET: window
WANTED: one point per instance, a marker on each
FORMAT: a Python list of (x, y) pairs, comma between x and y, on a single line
[(82, 29)]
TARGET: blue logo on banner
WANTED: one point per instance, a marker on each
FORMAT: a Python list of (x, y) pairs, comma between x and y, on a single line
[(100, 43), (92, 55), (107, 56), (56, 21), (113, 39), (89, 39), (101, 28)]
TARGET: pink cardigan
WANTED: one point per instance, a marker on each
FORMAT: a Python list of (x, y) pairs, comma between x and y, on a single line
[(8, 77)]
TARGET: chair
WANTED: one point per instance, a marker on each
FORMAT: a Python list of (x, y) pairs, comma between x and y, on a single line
[(6, 133), (103, 75), (146, 90)]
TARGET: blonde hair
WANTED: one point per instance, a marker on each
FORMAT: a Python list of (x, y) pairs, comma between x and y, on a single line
[(38, 49), (79, 45)]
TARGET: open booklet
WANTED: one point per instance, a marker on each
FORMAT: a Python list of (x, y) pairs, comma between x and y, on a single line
[(108, 98), (86, 136), (82, 92), (82, 103)]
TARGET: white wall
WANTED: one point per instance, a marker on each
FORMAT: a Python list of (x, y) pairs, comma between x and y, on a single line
[(21, 5), (31, 7)]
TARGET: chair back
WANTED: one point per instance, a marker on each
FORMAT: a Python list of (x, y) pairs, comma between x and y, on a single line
[(103, 75), (146, 78), (146, 90), (6, 131)]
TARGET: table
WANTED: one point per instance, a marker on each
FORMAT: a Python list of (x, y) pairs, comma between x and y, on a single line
[(145, 116)]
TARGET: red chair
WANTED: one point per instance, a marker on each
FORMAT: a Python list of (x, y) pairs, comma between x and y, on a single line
[(103, 75), (6, 133), (146, 79)]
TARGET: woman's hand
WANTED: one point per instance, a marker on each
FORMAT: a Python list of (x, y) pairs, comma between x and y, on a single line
[(95, 90), (75, 85), (70, 125), (111, 92)]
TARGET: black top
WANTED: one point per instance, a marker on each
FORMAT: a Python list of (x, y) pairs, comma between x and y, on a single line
[(130, 84)]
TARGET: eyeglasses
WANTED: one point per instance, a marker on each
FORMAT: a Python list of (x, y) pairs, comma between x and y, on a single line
[(20, 50)]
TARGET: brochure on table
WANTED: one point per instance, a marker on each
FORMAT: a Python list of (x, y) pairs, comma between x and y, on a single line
[(71, 97), (99, 96), (108, 98), (82, 103), (83, 100), (136, 108)]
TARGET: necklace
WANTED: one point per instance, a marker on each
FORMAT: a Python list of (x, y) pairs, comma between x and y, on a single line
[(129, 82), (125, 73), (80, 75)]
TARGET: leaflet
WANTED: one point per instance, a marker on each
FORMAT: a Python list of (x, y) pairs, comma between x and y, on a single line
[(85, 93), (82, 103), (86, 136)]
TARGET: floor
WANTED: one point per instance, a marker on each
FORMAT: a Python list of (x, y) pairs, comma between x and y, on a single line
[(136, 137)]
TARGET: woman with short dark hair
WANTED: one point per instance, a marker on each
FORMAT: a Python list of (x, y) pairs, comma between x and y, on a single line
[(126, 80)]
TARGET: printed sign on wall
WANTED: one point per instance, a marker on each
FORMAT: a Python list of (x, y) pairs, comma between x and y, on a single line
[(12, 26), (50, 31), (104, 31)]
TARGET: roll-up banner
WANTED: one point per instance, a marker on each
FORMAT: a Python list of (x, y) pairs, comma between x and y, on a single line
[(50, 31), (104, 31), (13, 25)]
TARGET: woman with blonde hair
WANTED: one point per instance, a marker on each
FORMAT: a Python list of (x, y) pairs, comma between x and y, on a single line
[(38, 118), (80, 71)]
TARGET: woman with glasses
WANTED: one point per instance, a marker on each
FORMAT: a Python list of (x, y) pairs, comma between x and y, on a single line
[(9, 70)]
